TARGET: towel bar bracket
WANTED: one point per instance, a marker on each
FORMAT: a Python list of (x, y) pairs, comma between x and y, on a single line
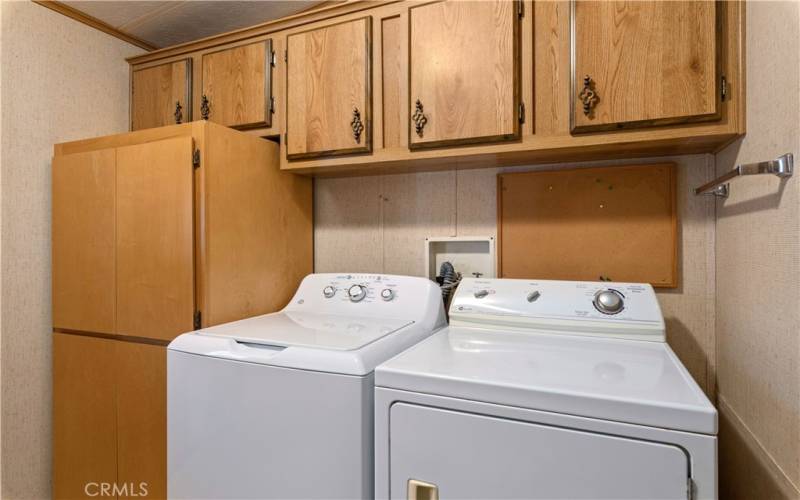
[(720, 187)]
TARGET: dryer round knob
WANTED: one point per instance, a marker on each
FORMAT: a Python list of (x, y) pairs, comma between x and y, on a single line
[(357, 293), (328, 292), (608, 301), (387, 294)]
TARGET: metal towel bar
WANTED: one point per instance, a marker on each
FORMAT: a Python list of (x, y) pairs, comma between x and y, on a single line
[(782, 167)]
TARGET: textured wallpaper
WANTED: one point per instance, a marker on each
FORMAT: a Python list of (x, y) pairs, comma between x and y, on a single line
[(60, 80), (758, 273)]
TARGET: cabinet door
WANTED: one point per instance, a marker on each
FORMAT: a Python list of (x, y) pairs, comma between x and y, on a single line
[(83, 241), (237, 85), (329, 109), (84, 415), (464, 76), (161, 95), (155, 250), (643, 63), (142, 417)]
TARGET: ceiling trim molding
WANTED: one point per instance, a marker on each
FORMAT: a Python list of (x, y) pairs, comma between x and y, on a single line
[(94, 23)]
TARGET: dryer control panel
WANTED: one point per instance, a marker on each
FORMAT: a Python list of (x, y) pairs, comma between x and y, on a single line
[(625, 310)]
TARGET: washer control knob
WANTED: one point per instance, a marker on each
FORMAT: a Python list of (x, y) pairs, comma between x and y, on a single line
[(387, 294), (328, 292), (608, 301), (534, 296), (357, 293), (481, 294)]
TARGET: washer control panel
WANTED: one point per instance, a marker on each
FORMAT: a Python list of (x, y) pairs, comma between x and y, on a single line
[(589, 308), (367, 295)]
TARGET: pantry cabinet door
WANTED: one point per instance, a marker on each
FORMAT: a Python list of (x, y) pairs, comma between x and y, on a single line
[(328, 89), (155, 239), (161, 95), (638, 64), (237, 86), (464, 73), (83, 241), (142, 418), (84, 415)]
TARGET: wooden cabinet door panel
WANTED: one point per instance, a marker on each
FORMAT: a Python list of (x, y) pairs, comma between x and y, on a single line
[(328, 87), (156, 92), (648, 63), (463, 65), (83, 241), (84, 414), (142, 417), (155, 239), (238, 85)]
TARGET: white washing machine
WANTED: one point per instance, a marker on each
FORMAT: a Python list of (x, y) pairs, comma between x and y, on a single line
[(281, 405), (544, 389)]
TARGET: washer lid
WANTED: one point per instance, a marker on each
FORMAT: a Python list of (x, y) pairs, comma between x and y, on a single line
[(637, 382), (306, 329)]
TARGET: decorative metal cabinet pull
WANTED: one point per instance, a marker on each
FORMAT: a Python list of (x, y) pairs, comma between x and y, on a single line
[(588, 96), (419, 118), (357, 125), (178, 112), (205, 111)]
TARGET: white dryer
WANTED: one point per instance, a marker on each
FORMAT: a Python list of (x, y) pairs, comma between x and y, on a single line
[(544, 389), (281, 405)]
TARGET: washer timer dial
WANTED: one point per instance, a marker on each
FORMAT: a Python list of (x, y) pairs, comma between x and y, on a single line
[(357, 293)]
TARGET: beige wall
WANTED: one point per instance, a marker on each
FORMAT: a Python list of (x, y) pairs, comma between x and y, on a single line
[(758, 273), (61, 80), (378, 224)]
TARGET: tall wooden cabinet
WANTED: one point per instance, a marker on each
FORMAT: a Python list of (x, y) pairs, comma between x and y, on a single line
[(161, 95), (156, 233), (644, 63)]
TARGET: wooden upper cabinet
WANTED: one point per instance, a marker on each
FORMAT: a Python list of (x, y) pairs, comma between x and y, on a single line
[(155, 239), (643, 63), (464, 73), (329, 109), (83, 241), (237, 86), (161, 95)]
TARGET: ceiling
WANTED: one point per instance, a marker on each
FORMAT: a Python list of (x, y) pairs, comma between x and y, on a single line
[(165, 23)]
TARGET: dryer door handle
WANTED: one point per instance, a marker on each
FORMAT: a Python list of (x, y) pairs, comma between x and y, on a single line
[(420, 490)]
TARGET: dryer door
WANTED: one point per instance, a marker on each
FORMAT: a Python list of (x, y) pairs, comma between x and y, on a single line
[(445, 454)]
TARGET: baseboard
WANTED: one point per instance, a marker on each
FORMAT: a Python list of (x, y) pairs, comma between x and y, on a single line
[(746, 468)]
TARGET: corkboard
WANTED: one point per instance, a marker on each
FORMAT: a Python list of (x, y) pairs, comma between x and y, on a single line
[(607, 223)]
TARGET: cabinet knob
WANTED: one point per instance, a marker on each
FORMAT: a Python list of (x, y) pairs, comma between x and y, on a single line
[(588, 96), (205, 111), (357, 125), (419, 118), (178, 112)]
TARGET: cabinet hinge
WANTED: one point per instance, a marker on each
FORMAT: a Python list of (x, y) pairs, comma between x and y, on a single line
[(272, 59), (520, 8), (198, 320), (689, 489), (521, 112), (272, 105), (286, 55), (286, 138), (196, 158), (723, 88)]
